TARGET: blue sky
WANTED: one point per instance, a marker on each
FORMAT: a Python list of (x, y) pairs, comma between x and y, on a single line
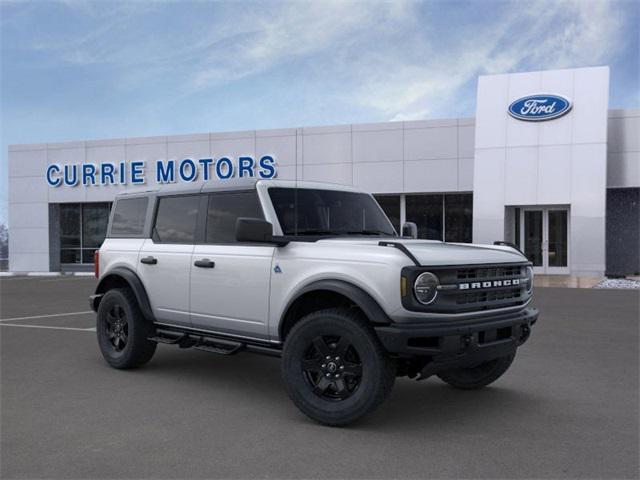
[(74, 70)]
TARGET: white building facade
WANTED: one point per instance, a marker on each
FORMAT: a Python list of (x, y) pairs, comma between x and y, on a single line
[(544, 164)]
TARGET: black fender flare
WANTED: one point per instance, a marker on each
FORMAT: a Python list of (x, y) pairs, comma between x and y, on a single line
[(134, 282), (366, 303)]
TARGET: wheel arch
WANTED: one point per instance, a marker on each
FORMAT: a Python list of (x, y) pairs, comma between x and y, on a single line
[(326, 293), (121, 277)]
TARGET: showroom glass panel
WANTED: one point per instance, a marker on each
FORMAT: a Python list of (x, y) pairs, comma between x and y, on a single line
[(517, 229), (391, 206), (558, 246), (70, 255), (129, 216), (87, 255), (426, 212), (83, 228), (458, 212), (69, 225), (176, 219), (95, 219), (533, 236), (224, 209)]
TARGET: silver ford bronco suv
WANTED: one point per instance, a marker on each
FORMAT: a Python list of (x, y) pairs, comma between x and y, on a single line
[(313, 273)]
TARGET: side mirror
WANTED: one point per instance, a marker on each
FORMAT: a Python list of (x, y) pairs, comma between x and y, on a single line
[(409, 229), (253, 230)]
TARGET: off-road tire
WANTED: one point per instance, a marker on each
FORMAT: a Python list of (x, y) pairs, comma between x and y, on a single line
[(137, 349), (477, 377), (377, 370)]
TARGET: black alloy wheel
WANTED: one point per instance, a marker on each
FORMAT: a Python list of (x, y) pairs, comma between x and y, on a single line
[(117, 327), (332, 367), (123, 331)]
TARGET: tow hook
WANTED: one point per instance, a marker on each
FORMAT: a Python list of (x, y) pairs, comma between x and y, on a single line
[(526, 331)]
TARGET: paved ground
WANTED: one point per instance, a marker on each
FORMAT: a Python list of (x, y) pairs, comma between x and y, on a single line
[(567, 408)]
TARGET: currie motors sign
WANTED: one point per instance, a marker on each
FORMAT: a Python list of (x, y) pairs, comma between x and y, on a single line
[(540, 107), (164, 171)]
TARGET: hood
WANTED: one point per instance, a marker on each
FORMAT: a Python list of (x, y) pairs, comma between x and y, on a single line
[(432, 252)]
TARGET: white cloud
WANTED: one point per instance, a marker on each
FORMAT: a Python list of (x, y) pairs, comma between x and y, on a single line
[(389, 57), (296, 30), (531, 35)]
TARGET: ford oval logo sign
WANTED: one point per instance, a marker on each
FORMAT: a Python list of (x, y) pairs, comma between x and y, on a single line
[(536, 108)]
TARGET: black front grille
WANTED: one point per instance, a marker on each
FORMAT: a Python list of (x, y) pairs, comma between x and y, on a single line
[(490, 296), (492, 272), (465, 289)]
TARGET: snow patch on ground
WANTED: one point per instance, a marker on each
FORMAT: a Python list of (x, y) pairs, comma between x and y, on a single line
[(618, 283)]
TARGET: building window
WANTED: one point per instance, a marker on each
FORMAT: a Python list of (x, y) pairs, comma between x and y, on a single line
[(458, 217), (426, 211), (391, 206), (83, 227), (447, 217)]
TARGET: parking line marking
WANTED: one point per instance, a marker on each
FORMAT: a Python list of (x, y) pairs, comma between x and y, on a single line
[(90, 329), (33, 317)]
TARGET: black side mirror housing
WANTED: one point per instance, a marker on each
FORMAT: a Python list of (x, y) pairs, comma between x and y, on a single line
[(256, 230), (409, 230)]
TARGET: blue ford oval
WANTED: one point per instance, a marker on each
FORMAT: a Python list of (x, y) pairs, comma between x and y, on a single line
[(536, 108)]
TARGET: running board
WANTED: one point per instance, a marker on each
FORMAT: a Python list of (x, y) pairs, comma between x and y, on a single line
[(210, 343)]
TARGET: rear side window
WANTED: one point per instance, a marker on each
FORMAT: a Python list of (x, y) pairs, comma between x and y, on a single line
[(224, 210), (129, 216), (176, 219)]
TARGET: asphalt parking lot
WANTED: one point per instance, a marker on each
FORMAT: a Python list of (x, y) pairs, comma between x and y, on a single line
[(568, 407)]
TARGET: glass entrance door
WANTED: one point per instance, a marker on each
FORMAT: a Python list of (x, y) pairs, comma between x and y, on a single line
[(544, 234)]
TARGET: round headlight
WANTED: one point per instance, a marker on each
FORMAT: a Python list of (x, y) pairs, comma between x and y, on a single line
[(426, 288), (529, 279)]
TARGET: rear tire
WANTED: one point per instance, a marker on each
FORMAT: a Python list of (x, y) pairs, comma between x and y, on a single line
[(334, 368), (477, 377), (123, 331)]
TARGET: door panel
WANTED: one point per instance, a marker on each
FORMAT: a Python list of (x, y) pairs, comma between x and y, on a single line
[(167, 280), (165, 259), (557, 238), (544, 236), (232, 296), (533, 236), (557, 241)]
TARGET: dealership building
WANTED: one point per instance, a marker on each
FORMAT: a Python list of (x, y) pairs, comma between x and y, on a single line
[(544, 164)]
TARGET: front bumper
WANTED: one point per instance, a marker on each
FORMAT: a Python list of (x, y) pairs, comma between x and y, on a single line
[(450, 344)]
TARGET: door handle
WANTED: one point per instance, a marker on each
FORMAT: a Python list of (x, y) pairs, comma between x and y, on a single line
[(149, 260), (204, 263)]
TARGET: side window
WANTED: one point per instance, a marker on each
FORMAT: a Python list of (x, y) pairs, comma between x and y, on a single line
[(224, 210), (176, 219), (129, 216)]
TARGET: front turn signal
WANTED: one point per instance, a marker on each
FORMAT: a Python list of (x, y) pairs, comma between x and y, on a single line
[(403, 286)]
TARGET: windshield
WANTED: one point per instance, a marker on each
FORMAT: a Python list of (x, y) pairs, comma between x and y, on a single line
[(303, 211)]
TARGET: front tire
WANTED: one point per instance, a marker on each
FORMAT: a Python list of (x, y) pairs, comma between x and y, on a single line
[(479, 376), (123, 331), (334, 368)]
